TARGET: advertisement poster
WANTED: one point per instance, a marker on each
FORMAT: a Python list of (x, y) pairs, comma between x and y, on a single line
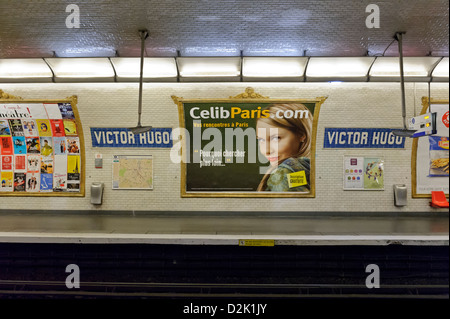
[(248, 146), (430, 159), (362, 173), (35, 151)]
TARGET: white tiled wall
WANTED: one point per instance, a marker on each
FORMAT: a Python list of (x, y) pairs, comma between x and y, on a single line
[(348, 105)]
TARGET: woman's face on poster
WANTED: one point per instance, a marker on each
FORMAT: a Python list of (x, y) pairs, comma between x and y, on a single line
[(275, 143)]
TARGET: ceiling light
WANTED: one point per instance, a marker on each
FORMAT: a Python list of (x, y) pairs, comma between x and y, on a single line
[(338, 69), (81, 69), (274, 68), (160, 69), (210, 69), (24, 70), (417, 69)]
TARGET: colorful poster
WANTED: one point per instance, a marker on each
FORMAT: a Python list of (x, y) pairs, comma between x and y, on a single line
[(33, 182), (364, 174), (34, 163), (4, 128), (34, 149), (57, 128), (6, 145), (44, 128), (66, 111), (46, 146), (16, 127), (248, 146), (46, 165), (20, 146), (7, 181), (19, 182), (7, 163), (30, 128), (33, 145), (70, 128), (59, 145), (20, 163), (46, 183), (73, 145)]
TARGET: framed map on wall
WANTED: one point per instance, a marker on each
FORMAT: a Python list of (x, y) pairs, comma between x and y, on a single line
[(41, 148), (132, 172)]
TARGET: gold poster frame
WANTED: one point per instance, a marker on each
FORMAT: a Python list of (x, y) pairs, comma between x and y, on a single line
[(73, 100), (425, 105), (250, 96)]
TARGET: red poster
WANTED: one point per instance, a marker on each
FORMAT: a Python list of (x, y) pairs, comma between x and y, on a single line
[(7, 146), (7, 163), (20, 163), (57, 128)]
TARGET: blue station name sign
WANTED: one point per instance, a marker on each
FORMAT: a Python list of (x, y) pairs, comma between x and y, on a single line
[(124, 138), (362, 138)]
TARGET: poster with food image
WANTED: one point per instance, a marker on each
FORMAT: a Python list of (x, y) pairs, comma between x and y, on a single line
[(16, 128), (20, 163), (30, 128), (44, 128), (4, 128), (70, 128), (34, 148), (430, 159), (6, 181), (34, 163), (248, 146), (57, 128), (20, 146), (33, 145), (59, 145), (19, 182), (33, 182)]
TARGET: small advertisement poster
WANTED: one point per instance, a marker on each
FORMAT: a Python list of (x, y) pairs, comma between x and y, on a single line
[(57, 128), (70, 128), (365, 174), (66, 111), (44, 128), (59, 145), (4, 128), (7, 163), (6, 145), (20, 163), (7, 182), (46, 146), (34, 163), (33, 145), (73, 145), (46, 183), (20, 146), (19, 182), (60, 173), (33, 182), (16, 128), (30, 128), (46, 165)]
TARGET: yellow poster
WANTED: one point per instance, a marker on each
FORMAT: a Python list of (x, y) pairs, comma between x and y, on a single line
[(70, 128), (6, 182), (44, 128), (73, 164)]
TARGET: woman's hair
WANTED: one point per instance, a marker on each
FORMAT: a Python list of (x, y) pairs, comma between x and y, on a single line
[(298, 120)]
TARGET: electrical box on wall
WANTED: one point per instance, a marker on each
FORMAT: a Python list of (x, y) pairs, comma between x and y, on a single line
[(423, 125), (400, 195), (97, 193)]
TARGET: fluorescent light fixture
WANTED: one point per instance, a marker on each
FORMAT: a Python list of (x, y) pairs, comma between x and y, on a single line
[(338, 69), (440, 73), (416, 69), (274, 68), (24, 70), (210, 69), (82, 69), (155, 69)]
